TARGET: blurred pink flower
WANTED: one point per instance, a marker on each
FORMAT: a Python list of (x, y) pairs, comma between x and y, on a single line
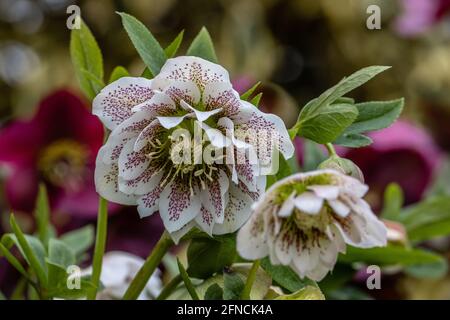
[(57, 146), (402, 153), (419, 15)]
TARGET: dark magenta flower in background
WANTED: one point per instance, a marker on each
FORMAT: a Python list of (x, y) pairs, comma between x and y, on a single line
[(57, 146), (402, 153)]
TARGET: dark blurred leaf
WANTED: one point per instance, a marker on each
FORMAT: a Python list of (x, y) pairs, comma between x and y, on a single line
[(285, 276), (313, 155), (86, 55), (305, 293), (232, 285), (202, 46), (42, 215), (432, 270), (207, 256), (214, 292), (59, 283), (117, 73), (348, 293), (145, 43), (173, 47), (353, 140)]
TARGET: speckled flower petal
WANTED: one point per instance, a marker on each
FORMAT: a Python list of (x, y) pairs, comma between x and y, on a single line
[(251, 239), (221, 95), (132, 164), (200, 115), (160, 104), (148, 134), (114, 102), (171, 122), (213, 197), (149, 202)]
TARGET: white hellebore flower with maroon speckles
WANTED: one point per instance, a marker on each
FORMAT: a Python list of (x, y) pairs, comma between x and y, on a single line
[(150, 120), (306, 219)]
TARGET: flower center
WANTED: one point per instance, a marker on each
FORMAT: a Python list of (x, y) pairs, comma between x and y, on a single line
[(63, 162)]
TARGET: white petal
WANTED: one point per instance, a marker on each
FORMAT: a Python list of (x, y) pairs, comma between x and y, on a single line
[(149, 133), (171, 122), (221, 95), (213, 197), (308, 202), (190, 68), (216, 137), (251, 241), (114, 102), (143, 184), (159, 104), (237, 211), (288, 206), (328, 192), (182, 91), (284, 244), (133, 125), (106, 182), (339, 207), (149, 203), (225, 124), (200, 115), (318, 273), (205, 220), (132, 164), (177, 235), (177, 206)]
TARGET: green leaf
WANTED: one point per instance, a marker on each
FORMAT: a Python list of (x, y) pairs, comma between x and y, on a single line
[(13, 261), (202, 46), (145, 43), (32, 250), (389, 255), (2, 296), (147, 74), (99, 84), (348, 293), (60, 253), (207, 256), (86, 55), (353, 140), (58, 284), (436, 270), (79, 240), (214, 292), (284, 276), (255, 101), (376, 115), (313, 155), (187, 282), (327, 124), (247, 94), (42, 215), (117, 73), (427, 219), (344, 86), (306, 293), (232, 285), (173, 47), (393, 201)]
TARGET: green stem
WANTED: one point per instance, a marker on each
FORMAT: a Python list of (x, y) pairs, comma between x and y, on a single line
[(149, 266), (100, 242), (245, 295), (330, 149), (169, 288), (187, 282)]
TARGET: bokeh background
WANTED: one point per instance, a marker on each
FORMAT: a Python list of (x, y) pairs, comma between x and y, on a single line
[(297, 48)]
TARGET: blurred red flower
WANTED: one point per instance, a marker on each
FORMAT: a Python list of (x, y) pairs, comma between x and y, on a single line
[(57, 146)]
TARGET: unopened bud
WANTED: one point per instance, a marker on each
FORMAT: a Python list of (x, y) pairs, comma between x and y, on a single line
[(344, 166)]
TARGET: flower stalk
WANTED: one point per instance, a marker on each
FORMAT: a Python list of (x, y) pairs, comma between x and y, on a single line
[(147, 269), (245, 295)]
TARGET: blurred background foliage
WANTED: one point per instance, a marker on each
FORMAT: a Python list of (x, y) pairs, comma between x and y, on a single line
[(296, 48)]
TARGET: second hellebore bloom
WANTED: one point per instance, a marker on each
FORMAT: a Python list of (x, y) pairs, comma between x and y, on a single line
[(306, 219), (151, 119)]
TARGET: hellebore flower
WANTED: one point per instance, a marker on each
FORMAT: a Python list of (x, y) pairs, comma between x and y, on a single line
[(118, 269), (402, 153), (156, 156), (306, 219), (57, 146)]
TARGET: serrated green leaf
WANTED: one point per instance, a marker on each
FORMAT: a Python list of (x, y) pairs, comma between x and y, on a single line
[(86, 54), (353, 140), (328, 123), (60, 253), (393, 201), (145, 43), (173, 47), (79, 240), (285, 277), (232, 285), (344, 86), (207, 256), (427, 219), (214, 292), (202, 46), (389, 255), (247, 94), (376, 115), (117, 73)]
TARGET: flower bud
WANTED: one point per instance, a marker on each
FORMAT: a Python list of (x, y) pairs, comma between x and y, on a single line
[(344, 166)]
